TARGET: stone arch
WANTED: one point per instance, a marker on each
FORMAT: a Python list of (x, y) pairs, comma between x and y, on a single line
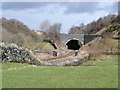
[(73, 44)]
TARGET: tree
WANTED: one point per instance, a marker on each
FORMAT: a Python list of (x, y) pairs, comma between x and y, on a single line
[(45, 25), (55, 28), (76, 30), (71, 30), (94, 26), (52, 32)]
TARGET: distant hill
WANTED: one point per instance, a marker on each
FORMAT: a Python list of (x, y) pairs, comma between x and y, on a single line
[(110, 38), (94, 26), (14, 31), (111, 30)]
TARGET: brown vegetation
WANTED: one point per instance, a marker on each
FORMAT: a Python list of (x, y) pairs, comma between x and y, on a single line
[(92, 27), (14, 31)]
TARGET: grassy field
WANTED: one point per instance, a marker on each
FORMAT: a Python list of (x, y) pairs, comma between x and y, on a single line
[(0, 75), (93, 74)]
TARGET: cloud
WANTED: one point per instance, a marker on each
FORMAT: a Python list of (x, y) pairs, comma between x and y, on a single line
[(111, 7), (81, 7), (114, 7), (89, 7), (23, 5), (70, 7), (119, 6)]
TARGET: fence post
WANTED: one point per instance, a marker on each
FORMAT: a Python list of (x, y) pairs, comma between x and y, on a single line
[(54, 53)]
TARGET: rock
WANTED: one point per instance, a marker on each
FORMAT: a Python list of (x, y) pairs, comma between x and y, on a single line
[(12, 53), (68, 61)]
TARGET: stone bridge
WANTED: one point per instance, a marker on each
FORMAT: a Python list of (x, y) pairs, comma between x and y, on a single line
[(67, 37), (75, 41)]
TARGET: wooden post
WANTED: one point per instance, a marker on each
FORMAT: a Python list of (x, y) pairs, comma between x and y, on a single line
[(76, 53), (54, 53)]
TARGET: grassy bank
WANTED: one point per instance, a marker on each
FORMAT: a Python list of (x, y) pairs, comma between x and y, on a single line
[(40, 45), (94, 74)]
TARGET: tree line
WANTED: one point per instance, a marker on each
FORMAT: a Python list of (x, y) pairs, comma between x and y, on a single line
[(94, 26)]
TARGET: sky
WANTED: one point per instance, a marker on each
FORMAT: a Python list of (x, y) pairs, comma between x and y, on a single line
[(68, 14)]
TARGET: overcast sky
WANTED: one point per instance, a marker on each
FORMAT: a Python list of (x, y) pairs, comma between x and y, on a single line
[(68, 14)]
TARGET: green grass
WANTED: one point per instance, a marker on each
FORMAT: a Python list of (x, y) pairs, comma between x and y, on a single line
[(0, 75), (40, 45), (99, 74)]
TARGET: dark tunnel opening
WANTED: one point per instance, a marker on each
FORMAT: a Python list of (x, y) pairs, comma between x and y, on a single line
[(52, 43), (73, 44)]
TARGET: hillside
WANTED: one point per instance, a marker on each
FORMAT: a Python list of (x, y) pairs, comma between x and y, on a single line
[(108, 42), (94, 26), (14, 31), (101, 45), (111, 30)]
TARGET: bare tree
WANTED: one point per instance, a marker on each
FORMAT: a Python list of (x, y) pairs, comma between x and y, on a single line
[(76, 30), (45, 25), (71, 30), (55, 28), (94, 26), (52, 32)]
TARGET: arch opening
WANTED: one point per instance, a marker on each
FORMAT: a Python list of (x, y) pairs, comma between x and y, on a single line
[(52, 43), (73, 44)]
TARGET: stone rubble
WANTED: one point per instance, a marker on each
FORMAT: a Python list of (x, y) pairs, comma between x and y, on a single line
[(10, 52), (13, 53)]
